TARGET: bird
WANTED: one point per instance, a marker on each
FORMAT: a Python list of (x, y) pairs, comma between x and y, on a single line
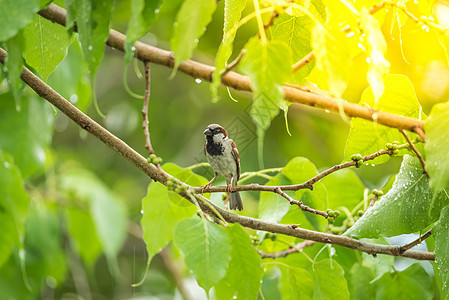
[(224, 158)]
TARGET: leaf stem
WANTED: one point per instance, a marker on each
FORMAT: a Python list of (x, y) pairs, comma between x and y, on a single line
[(263, 36)]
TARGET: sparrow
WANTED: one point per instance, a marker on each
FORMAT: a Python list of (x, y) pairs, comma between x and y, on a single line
[(223, 157)]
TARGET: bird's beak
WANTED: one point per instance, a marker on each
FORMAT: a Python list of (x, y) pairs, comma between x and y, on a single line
[(207, 132)]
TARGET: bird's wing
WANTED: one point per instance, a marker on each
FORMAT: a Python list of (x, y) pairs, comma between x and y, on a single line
[(236, 155)]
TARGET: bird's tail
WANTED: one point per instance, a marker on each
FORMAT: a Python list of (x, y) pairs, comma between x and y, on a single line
[(235, 202)]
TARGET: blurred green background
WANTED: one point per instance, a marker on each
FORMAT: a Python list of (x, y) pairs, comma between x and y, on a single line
[(180, 109)]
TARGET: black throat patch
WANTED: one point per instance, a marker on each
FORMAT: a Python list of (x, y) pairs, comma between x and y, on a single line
[(213, 148)]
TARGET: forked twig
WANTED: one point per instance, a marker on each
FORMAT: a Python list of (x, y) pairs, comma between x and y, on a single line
[(412, 146)]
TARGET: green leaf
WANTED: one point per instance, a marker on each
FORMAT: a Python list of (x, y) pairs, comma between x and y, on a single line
[(8, 236), (408, 207), (143, 14), (190, 25), (441, 233), (160, 217), (361, 286), (14, 67), (295, 31), (381, 264), (108, 213), (109, 217), (13, 205), (376, 47), (244, 273), (46, 45), (15, 15), (332, 54), (268, 67), (84, 238), (367, 137), (32, 127), (295, 283), (330, 282), (44, 255), (206, 249), (186, 176), (437, 156), (72, 69), (344, 188), (299, 170), (232, 13), (272, 207), (412, 283), (92, 19)]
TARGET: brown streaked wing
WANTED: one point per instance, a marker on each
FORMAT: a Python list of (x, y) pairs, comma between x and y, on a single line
[(236, 155)]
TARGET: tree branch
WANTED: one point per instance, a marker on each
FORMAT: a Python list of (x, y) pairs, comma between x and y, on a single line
[(412, 146), (239, 82), (86, 123), (416, 242), (296, 248), (145, 121), (300, 204), (294, 187), (304, 61)]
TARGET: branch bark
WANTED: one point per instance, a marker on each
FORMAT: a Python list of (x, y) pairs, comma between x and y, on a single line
[(146, 101), (240, 82), (113, 142)]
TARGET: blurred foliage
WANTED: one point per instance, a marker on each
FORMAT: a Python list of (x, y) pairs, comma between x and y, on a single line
[(70, 207)]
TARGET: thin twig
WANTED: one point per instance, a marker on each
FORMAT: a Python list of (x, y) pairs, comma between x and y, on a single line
[(239, 82), (296, 248), (420, 132), (234, 63), (301, 204), (372, 201), (412, 146), (145, 108), (416, 242), (294, 187), (92, 127), (304, 61)]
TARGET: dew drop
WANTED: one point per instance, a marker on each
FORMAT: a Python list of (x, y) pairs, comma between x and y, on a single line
[(374, 116), (197, 80), (156, 11), (141, 211), (90, 47), (350, 35), (74, 98), (327, 111), (51, 282), (22, 254), (6, 164), (133, 48), (368, 60), (235, 297), (197, 41)]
